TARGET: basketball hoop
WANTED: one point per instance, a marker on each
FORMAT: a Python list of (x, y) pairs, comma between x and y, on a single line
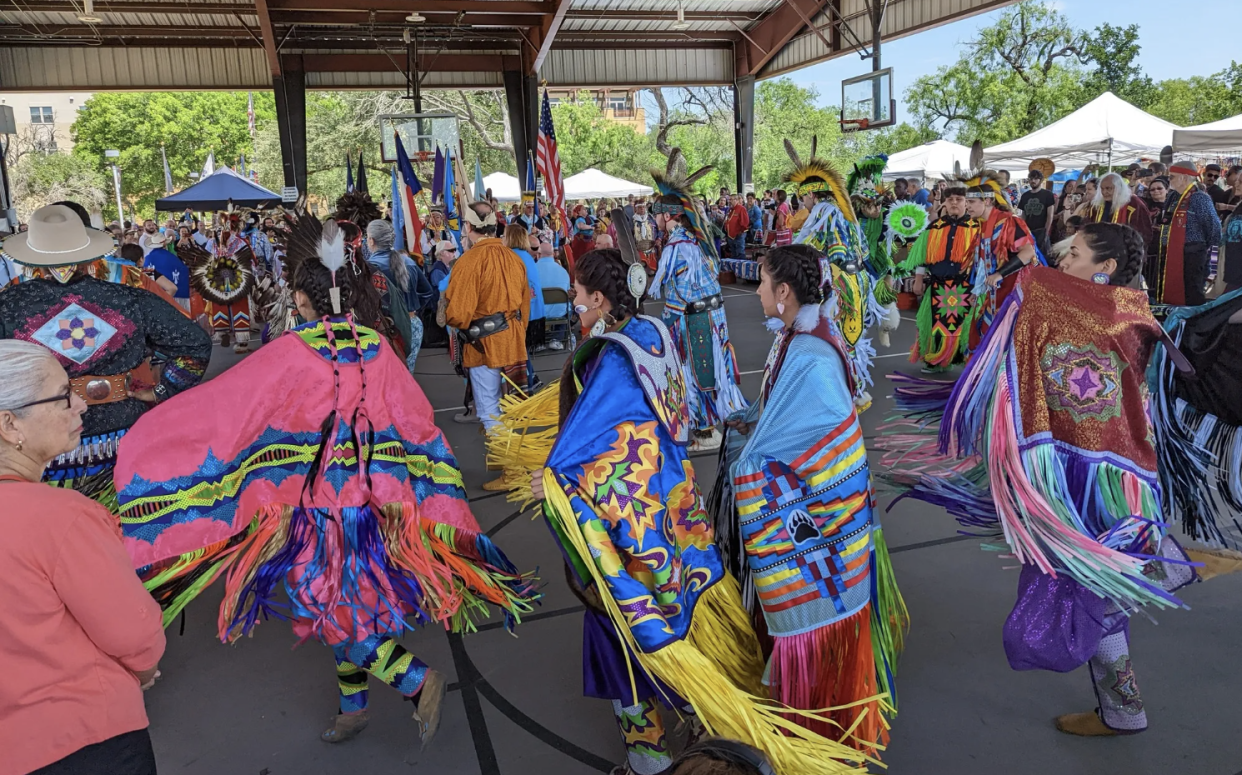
[(854, 125)]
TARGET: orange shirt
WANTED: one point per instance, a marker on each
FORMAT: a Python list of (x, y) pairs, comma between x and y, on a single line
[(487, 279), (75, 626)]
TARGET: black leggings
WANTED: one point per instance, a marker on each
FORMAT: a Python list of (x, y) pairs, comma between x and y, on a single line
[(127, 754)]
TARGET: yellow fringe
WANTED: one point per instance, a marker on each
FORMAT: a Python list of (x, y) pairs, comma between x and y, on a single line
[(719, 679), (521, 444)]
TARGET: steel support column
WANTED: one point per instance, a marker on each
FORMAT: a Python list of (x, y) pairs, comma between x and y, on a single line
[(290, 88), (744, 131), (522, 95)]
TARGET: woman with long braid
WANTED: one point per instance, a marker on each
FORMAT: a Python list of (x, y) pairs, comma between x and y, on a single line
[(664, 622), (1053, 409), (340, 493), (796, 522)]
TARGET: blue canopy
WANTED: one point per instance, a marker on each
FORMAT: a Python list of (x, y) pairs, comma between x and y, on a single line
[(216, 191)]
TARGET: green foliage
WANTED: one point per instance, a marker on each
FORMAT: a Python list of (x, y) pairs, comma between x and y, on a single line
[(43, 178), (1114, 51), (1198, 100), (785, 110), (1019, 74), (188, 124)]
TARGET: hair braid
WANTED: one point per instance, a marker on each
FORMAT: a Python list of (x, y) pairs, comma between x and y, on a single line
[(1136, 255), (1120, 243), (801, 267)]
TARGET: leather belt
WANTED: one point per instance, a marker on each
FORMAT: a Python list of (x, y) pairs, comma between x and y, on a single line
[(715, 301), (486, 326), (110, 388)]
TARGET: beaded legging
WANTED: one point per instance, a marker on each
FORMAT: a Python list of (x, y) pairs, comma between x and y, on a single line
[(384, 658)]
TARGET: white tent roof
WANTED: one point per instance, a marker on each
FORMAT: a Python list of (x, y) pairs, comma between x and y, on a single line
[(593, 184), (1086, 136), (929, 160), (504, 186), (1221, 136)]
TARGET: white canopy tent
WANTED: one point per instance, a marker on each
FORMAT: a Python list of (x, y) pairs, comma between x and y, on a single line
[(1221, 137), (594, 184), (504, 186), (1105, 130), (932, 160)]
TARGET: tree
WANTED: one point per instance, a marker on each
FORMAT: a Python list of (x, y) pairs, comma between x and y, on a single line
[(1114, 51), (189, 125), (785, 110), (1017, 75), (43, 178)]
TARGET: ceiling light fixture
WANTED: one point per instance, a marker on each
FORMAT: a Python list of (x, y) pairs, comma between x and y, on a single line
[(681, 23), (88, 14), (415, 18)]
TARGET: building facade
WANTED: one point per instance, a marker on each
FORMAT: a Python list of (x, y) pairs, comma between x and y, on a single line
[(44, 119), (619, 105)]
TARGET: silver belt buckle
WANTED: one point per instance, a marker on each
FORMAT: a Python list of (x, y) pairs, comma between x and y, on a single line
[(98, 389)]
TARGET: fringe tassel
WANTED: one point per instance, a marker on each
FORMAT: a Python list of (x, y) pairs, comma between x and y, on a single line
[(522, 442), (833, 668), (713, 667), (890, 619)]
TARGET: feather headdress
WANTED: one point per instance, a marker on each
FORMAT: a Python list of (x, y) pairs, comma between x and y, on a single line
[(309, 239), (866, 182), (357, 208), (673, 181), (817, 175), (981, 182), (220, 279)]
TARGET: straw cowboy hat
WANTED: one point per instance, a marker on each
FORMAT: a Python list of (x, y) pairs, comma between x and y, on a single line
[(57, 237)]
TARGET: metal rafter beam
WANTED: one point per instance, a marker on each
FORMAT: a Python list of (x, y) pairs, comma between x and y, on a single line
[(427, 63), (269, 37), (81, 32), (766, 39), (545, 34), (450, 7), (346, 16)]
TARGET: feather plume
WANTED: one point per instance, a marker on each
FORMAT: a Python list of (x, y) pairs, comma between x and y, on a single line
[(793, 153), (698, 175), (976, 155), (332, 247), (814, 146)]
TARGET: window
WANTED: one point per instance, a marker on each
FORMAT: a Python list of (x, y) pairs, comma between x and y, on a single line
[(618, 103), (41, 115)]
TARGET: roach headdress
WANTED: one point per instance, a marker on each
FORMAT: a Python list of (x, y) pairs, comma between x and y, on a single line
[(673, 181), (818, 176), (981, 182)]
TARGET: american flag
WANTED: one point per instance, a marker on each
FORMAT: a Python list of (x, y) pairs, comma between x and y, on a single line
[(548, 159)]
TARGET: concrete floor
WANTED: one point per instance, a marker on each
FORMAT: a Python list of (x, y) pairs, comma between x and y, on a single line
[(515, 706)]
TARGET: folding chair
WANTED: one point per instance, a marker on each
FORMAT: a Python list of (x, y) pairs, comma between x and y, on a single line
[(562, 329)]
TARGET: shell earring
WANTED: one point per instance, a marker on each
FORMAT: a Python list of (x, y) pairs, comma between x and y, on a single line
[(780, 308), (1100, 278)]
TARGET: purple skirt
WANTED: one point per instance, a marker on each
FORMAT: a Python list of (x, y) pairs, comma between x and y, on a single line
[(604, 673)]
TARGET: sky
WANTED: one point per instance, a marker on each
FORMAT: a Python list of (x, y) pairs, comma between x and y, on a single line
[(923, 52)]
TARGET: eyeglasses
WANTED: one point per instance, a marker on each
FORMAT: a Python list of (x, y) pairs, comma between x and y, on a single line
[(67, 398)]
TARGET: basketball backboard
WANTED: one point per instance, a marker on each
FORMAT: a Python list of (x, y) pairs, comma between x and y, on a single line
[(867, 101), (421, 134)]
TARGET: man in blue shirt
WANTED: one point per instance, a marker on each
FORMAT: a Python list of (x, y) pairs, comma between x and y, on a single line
[(552, 275), (916, 193), (170, 273), (755, 235)]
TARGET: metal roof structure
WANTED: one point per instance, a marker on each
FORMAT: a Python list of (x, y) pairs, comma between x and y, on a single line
[(48, 45)]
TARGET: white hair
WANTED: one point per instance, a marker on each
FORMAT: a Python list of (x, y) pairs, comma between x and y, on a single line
[(1060, 249), (1121, 192), (23, 369)]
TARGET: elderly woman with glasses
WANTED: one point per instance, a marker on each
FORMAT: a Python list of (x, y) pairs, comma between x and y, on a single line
[(79, 636)]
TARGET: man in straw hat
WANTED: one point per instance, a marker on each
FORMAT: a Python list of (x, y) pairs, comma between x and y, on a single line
[(1186, 237), (101, 333), (1037, 205)]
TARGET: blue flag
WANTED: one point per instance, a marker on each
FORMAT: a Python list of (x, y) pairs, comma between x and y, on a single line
[(480, 191), (437, 178), (398, 217), (452, 218), (349, 175)]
